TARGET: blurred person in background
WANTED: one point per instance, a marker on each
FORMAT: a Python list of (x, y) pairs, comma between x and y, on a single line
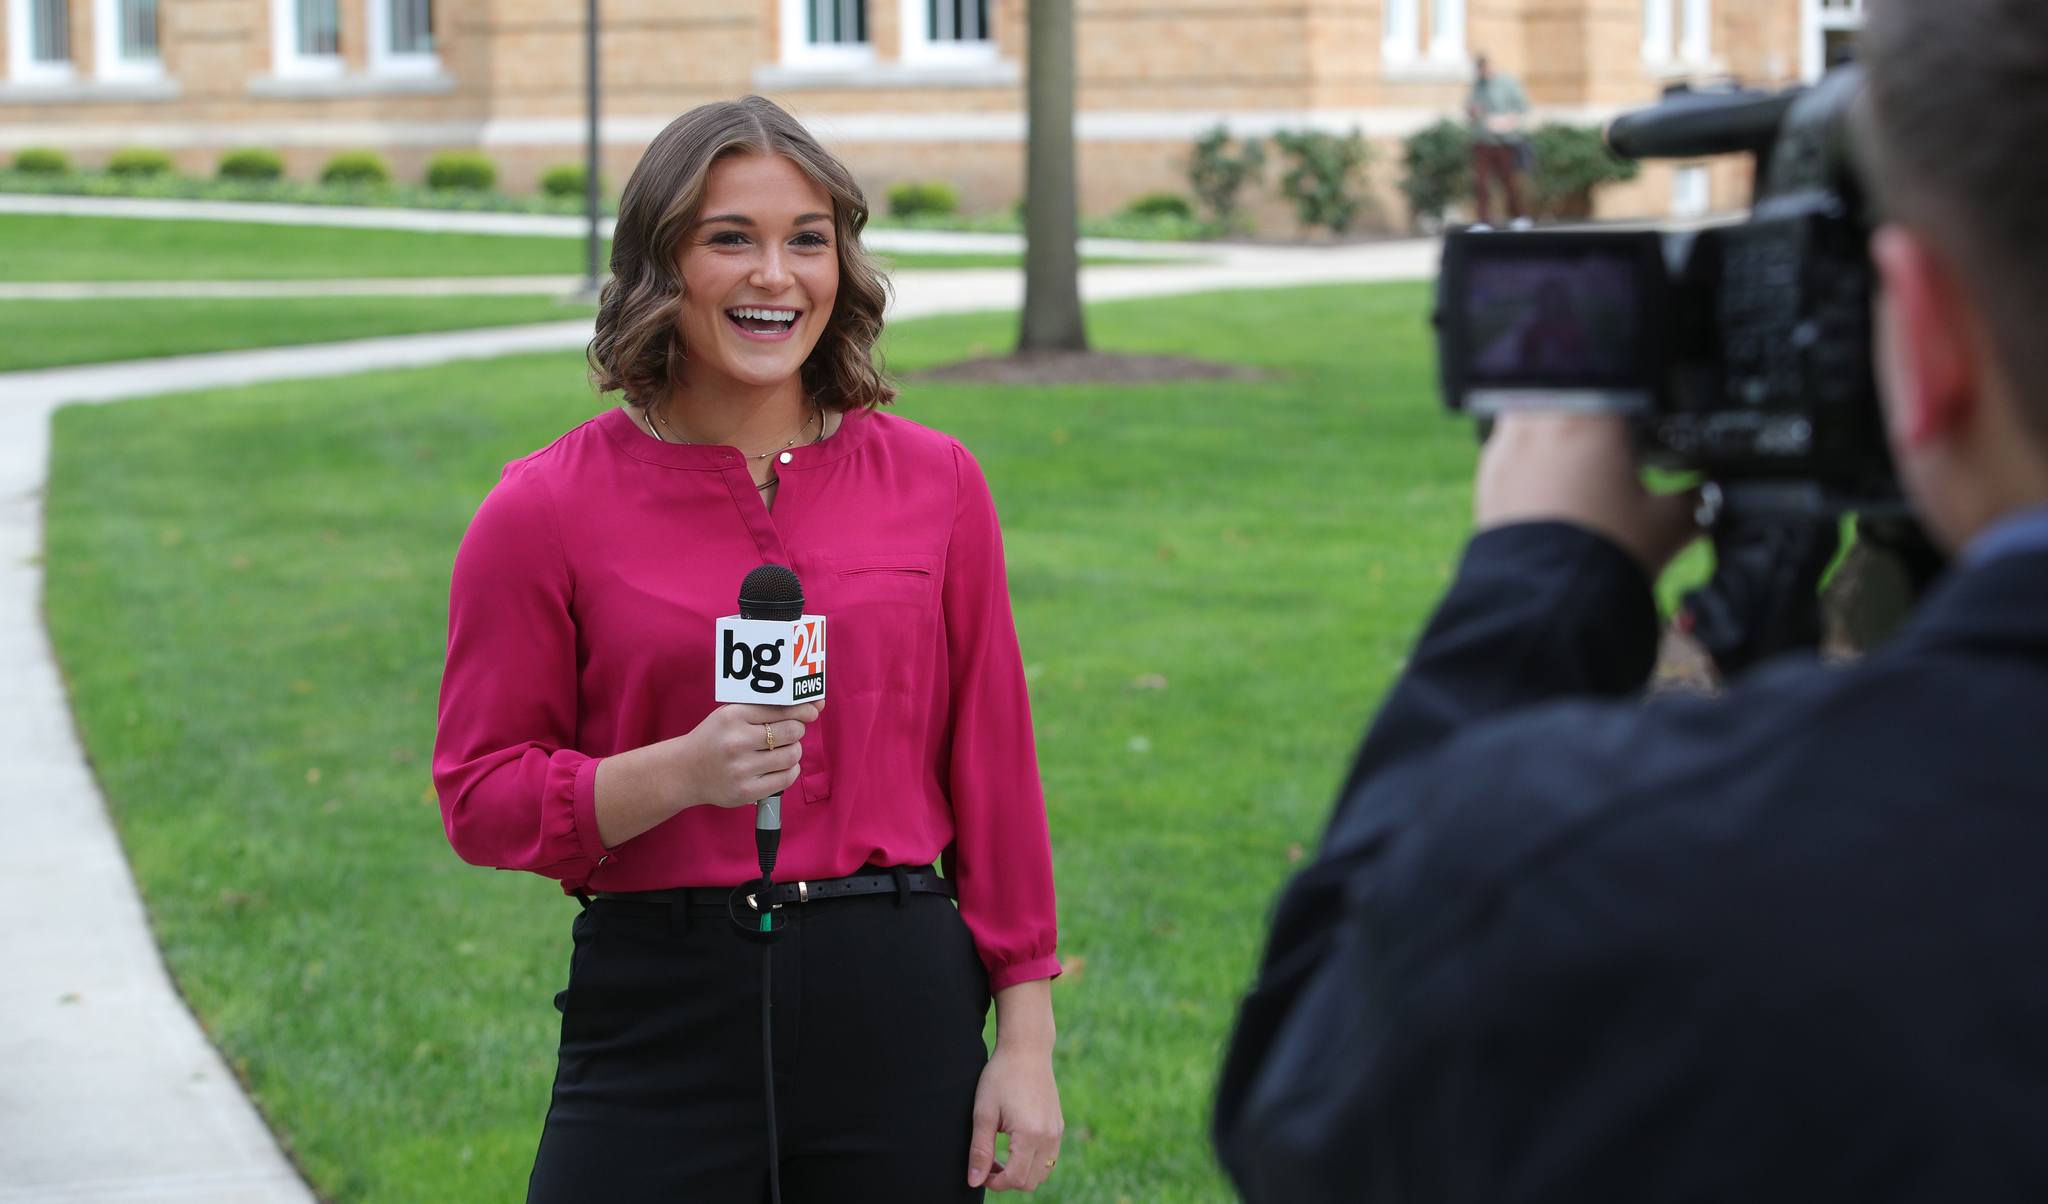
[(1495, 108)]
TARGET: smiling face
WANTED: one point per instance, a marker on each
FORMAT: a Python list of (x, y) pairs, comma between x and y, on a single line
[(760, 274)]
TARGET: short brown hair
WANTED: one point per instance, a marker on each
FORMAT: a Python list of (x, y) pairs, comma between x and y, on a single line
[(638, 347), (1958, 108)]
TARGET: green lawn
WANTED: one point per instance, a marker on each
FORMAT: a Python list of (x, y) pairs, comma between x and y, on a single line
[(47, 334), (36, 247), (40, 247), (1213, 582)]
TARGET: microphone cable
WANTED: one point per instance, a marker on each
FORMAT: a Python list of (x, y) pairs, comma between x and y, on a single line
[(755, 897), (769, 592), (767, 837)]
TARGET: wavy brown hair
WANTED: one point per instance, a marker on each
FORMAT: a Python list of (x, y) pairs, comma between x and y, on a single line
[(639, 348)]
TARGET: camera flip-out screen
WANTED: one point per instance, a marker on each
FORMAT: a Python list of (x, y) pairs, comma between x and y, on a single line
[(1552, 321)]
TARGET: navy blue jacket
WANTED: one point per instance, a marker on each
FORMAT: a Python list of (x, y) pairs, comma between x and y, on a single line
[(1561, 944)]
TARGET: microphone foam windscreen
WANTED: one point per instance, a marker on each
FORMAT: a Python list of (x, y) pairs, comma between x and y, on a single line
[(771, 592)]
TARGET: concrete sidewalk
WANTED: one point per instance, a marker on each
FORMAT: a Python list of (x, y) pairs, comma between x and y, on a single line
[(111, 1091), (917, 291), (455, 221), (394, 286)]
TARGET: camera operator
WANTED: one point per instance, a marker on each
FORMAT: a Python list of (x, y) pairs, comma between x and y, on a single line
[(1561, 944)]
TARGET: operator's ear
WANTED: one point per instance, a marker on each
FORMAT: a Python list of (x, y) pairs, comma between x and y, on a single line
[(1928, 336)]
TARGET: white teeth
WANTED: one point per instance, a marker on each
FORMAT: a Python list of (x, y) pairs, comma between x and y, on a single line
[(765, 315)]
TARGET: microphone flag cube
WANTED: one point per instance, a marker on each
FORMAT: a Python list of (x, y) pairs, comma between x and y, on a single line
[(776, 662)]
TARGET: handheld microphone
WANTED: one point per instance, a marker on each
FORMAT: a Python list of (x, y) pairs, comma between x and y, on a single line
[(771, 653), (752, 667), (768, 594)]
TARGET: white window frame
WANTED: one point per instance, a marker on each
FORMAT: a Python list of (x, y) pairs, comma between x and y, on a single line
[(1817, 20), (1657, 31), (1400, 31), (1695, 30), (1678, 32), (107, 62), (386, 61), (919, 47), (1447, 31), (798, 51), (21, 69), (1692, 191), (284, 46)]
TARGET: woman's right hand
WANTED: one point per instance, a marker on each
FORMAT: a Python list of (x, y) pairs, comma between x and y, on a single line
[(742, 753), (724, 761)]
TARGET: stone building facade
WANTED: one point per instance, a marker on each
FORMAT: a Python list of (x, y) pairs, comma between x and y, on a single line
[(903, 89)]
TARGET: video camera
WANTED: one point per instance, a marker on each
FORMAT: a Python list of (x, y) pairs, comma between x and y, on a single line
[(1742, 352)]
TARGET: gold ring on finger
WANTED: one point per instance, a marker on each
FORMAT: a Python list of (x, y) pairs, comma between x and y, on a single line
[(770, 729)]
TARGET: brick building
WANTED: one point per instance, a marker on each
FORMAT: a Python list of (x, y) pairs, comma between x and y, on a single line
[(904, 89)]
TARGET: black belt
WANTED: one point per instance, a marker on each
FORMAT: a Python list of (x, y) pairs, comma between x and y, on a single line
[(908, 882)]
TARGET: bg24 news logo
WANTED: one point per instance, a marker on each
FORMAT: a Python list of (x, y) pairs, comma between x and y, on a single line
[(751, 660)]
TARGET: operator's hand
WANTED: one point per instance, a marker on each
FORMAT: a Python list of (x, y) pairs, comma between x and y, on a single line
[(1580, 469), (742, 752)]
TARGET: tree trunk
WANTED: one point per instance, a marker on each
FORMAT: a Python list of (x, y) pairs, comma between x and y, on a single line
[(1052, 267)]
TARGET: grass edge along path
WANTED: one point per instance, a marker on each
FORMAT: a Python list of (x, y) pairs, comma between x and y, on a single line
[(56, 334), (247, 590), (38, 248)]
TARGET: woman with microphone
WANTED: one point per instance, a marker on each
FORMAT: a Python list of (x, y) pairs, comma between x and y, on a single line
[(579, 739)]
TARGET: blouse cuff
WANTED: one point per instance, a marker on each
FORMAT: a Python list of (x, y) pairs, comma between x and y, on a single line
[(1025, 971), (583, 807)]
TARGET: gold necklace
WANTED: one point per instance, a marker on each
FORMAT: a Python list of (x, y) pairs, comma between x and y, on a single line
[(817, 412)]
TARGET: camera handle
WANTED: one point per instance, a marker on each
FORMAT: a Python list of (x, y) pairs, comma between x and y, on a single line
[(1764, 597)]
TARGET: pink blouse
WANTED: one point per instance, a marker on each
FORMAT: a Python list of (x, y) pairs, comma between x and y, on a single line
[(580, 622)]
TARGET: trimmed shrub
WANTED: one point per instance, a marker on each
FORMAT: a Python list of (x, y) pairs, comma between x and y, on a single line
[(1436, 170), (566, 181), (1570, 162), (42, 161), (356, 167), (469, 171), (250, 163), (1217, 174), (1324, 176), (1161, 204), (923, 198), (139, 161)]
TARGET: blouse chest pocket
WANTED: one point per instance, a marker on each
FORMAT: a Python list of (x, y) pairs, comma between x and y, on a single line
[(881, 618)]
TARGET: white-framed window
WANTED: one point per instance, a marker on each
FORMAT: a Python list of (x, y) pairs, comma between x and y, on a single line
[(1695, 30), (1447, 31), (826, 33), (125, 40), (38, 41), (948, 31), (1656, 31), (1400, 31), (1829, 29), (305, 37), (402, 37), (1692, 191), (1685, 35), (1404, 43)]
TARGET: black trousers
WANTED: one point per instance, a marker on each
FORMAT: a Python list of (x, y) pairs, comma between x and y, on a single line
[(878, 1010)]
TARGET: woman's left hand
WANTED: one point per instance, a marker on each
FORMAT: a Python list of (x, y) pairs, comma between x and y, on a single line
[(1017, 1096)]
